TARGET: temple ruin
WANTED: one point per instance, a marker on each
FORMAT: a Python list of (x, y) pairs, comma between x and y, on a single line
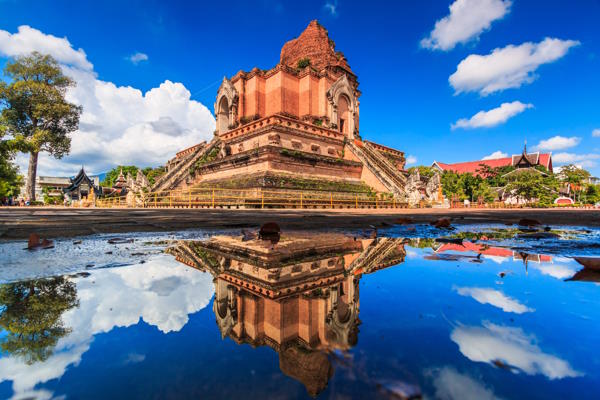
[(299, 297), (292, 127)]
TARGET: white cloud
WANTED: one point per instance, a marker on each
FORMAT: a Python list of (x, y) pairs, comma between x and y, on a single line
[(581, 160), (493, 117), (557, 271), (28, 39), (119, 124), (494, 298), (411, 160), (138, 57), (557, 143), (512, 346), (466, 21), (161, 292), (496, 259), (596, 133), (507, 67), (450, 384), (331, 7), (494, 155)]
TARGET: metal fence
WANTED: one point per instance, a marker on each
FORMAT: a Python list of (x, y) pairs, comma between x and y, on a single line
[(249, 198)]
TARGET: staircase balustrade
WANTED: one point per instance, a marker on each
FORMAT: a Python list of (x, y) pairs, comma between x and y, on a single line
[(178, 172)]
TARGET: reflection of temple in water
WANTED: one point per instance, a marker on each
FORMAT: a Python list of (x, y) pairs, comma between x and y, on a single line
[(299, 296), (491, 251)]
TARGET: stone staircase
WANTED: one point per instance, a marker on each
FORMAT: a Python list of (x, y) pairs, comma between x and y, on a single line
[(374, 255), (182, 170), (183, 252), (383, 169)]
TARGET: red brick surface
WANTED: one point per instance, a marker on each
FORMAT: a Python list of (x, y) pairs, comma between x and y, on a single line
[(313, 43)]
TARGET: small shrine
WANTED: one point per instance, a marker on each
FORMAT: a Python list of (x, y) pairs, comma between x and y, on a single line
[(82, 187)]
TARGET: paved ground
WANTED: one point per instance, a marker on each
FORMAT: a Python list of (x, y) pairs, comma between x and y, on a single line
[(19, 222)]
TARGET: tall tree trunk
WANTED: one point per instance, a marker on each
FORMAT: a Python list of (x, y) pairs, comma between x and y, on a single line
[(31, 175)]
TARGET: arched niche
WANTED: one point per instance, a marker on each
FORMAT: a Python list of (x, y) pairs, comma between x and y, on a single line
[(223, 115), (225, 306), (344, 114), (226, 106), (343, 312), (343, 107)]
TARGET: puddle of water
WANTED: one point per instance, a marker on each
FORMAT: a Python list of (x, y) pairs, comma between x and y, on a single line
[(415, 313)]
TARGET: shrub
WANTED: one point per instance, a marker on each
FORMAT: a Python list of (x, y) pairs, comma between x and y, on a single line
[(303, 63)]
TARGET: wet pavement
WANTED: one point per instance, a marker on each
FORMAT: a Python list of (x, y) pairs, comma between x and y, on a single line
[(403, 311), (52, 222)]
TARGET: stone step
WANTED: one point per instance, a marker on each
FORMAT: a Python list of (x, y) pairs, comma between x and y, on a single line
[(182, 170), (384, 173), (385, 164)]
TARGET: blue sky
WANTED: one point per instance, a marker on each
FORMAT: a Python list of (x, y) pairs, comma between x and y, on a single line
[(407, 100)]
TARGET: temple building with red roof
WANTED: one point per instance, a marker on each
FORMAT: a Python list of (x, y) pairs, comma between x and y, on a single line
[(519, 161)]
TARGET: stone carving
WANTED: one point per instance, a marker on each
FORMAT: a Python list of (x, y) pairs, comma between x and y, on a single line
[(141, 180), (275, 139), (138, 190), (342, 87), (420, 188), (226, 106)]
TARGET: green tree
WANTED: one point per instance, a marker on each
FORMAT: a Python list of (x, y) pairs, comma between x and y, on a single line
[(49, 199), (10, 180), (31, 316), (484, 190), (529, 186), (495, 176), (153, 173), (573, 174), (34, 110), (452, 185), (592, 194), (424, 171), (470, 183)]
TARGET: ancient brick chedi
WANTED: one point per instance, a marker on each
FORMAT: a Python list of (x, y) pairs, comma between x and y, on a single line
[(295, 126), (300, 297)]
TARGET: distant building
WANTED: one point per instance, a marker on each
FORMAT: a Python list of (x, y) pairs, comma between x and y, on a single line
[(82, 186), (53, 186), (519, 161), (564, 201), (119, 188)]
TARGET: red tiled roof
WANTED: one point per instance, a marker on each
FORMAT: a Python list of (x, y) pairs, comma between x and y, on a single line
[(546, 160), (490, 251), (476, 248), (473, 166)]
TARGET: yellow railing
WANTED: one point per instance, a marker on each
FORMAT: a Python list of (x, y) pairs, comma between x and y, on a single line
[(110, 202), (251, 198)]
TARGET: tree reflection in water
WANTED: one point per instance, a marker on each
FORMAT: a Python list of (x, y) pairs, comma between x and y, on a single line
[(30, 314)]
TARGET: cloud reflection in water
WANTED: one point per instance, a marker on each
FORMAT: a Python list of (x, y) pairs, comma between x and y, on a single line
[(161, 292)]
